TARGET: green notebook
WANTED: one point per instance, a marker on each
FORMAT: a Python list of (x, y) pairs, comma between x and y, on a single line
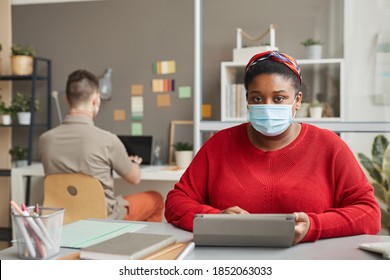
[(128, 246), (85, 233)]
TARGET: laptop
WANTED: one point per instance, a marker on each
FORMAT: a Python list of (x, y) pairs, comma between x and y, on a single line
[(139, 145), (377, 247), (268, 230)]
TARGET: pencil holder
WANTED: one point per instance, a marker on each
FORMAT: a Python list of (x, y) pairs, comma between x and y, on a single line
[(38, 232)]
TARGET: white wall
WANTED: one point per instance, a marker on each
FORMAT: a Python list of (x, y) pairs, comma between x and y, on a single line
[(362, 21)]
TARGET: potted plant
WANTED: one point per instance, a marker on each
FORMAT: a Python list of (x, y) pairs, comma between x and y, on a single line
[(22, 59), (315, 109), (313, 48), (378, 169), (19, 156), (5, 116), (21, 106), (183, 154)]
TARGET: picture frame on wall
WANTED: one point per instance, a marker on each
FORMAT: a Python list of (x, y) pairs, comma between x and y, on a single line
[(180, 131)]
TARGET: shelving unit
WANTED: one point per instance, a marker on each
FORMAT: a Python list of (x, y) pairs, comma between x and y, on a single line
[(41, 73), (338, 124), (319, 75)]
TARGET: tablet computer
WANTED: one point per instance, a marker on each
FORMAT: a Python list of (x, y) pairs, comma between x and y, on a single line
[(268, 230)]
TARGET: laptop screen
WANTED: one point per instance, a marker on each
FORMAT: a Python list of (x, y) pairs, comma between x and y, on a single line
[(138, 145)]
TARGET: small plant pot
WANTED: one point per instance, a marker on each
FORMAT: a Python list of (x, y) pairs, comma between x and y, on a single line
[(24, 118), (20, 162), (22, 65), (314, 52), (315, 112), (183, 158), (6, 119)]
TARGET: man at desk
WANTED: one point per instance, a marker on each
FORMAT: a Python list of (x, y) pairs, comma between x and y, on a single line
[(77, 146)]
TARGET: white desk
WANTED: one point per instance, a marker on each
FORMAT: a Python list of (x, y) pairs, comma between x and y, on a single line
[(343, 248), (149, 173)]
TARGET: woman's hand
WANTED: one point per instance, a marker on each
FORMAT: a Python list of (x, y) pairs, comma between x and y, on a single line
[(302, 225), (234, 210)]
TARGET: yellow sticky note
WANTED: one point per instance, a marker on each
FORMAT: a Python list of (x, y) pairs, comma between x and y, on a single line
[(206, 111), (157, 85), (171, 67), (163, 100), (137, 89), (119, 115), (164, 67)]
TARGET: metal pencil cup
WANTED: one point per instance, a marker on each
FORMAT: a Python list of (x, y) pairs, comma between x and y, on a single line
[(38, 236)]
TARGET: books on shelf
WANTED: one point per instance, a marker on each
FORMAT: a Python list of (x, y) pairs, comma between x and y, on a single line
[(128, 246), (235, 100)]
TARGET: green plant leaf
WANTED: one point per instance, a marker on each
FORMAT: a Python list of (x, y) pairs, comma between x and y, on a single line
[(379, 171), (183, 146), (371, 168), (311, 42), (18, 153), (386, 185), (17, 49), (21, 103), (385, 219), (380, 192), (378, 149), (386, 167)]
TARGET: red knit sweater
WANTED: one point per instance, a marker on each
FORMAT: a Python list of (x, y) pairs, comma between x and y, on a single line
[(316, 174)]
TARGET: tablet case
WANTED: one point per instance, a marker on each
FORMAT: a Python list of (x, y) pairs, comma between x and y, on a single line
[(268, 230)]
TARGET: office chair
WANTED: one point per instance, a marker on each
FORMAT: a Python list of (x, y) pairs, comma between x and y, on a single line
[(81, 196)]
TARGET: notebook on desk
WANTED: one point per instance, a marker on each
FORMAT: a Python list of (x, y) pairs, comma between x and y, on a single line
[(128, 246), (268, 230), (138, 145)]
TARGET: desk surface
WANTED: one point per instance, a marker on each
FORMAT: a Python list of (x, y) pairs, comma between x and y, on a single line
[(153, 173), (343, 248), (149, 172)]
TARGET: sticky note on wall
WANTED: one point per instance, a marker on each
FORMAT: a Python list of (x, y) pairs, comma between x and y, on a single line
[(184, 92), (137, 89), (119, 115), (164, 67), (163, 85), (136, 129), (137, 107), (206, 111), (163, 100)]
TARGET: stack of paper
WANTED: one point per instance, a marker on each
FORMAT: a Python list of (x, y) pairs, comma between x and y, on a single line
[(85, 233)]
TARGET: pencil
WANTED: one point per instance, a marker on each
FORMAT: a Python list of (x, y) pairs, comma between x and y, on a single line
[(23, 229), (188, 249), (164, 251)]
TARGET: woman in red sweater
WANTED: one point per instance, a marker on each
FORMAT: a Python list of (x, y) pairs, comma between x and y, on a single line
[(274, 165)]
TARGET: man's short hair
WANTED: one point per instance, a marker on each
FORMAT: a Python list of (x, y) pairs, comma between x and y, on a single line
[(80, 86)]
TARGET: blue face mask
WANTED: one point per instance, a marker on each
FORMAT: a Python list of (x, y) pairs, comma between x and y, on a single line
[(270, 119)]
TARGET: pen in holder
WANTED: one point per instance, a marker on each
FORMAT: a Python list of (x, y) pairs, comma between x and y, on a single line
[(37, 231)]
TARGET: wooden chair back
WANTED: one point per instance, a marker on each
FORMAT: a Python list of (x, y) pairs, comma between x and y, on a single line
[(81, 196)]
